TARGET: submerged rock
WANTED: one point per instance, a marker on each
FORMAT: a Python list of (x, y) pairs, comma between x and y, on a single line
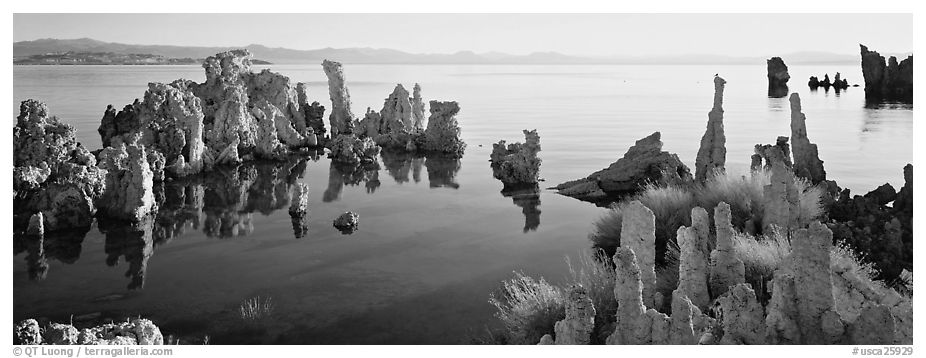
[(347, 223), (807, 163), (517, 163), (712, 155), (644, 162), (887, 81)]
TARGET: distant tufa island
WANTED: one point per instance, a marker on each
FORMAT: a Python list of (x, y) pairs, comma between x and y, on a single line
[(108, 58)]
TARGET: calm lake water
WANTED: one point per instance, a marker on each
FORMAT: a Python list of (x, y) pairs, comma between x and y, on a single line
[(436, 235)]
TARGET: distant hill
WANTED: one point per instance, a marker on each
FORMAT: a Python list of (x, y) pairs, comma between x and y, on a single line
[(368, 55)]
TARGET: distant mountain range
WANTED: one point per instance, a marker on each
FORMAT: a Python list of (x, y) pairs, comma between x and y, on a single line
[(366, 55)]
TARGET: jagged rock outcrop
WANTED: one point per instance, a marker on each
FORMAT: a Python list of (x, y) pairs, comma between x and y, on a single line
[(726, 270), (638, 233), (349, 149), (579, 323), (397, 111), (777, 77), (807, 163), (138, 331), (884, 233), (838, 82), (712, 155), (52, 173), (887, 81), (766, 155), (235, 115), (342, 120), (418, 112), (693, 270), (27, 332), (517, 163), (644, 162), (782, 202), (347, 223), (443, 132), (742, 316), (313, 113), (129, 181), (299, 210)]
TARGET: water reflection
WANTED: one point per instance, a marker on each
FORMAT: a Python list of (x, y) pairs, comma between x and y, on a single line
[(220, 203), (400, 164), (340, 175), (528, 198), (442, 171), (132, 241)]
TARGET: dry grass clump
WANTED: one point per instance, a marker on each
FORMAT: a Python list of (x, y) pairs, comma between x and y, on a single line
[(256, 308), (528, 308)]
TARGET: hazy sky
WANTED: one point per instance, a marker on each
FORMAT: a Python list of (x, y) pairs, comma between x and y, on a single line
[(574, 34)]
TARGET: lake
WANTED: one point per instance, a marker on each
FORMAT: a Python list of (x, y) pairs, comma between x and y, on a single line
[(436, 235)]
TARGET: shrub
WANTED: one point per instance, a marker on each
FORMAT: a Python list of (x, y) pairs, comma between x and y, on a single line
[(528, 308)]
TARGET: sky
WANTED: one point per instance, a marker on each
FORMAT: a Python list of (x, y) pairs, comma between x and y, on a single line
[(572, 34)]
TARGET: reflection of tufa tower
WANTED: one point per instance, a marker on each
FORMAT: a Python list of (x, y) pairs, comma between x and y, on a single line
[(529, 201), (134, 242)]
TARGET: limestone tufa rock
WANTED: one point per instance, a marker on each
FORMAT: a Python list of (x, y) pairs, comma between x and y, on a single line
[(341, 118), (579, 323), (807, 163), (418, 112), (771, 154), (693, 268), (632, 325), (742, 316), (777, 75), (129, 181), (644, 162), (347, 223), (517, 163), (712, 154), (892, 81), (726, 269), (397, 111), (27, 332), (348, 149), (443, 132), (782, 201), (638, 233)]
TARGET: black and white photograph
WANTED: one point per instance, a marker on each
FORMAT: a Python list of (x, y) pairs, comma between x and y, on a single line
[(306, 179)]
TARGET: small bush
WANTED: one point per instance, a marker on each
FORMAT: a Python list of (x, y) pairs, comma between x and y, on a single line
[(761, 256), (528, 308)]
